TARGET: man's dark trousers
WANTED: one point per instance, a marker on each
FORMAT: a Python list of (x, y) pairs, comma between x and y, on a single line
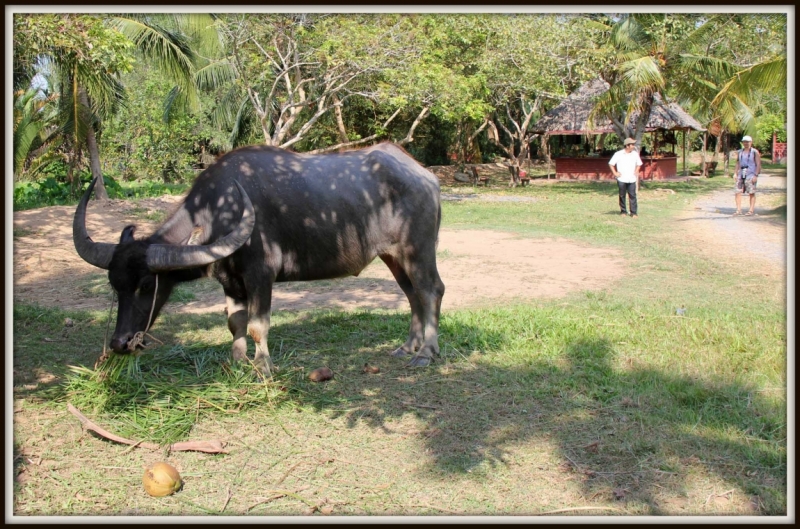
[(630, 190)]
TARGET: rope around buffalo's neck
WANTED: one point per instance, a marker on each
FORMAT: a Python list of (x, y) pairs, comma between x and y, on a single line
[(138, 338)]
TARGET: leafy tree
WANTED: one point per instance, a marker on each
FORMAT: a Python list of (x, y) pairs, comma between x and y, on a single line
[(700, 60), (521, 78), (140, 144), (86, 58), (88, 53), (646, 52), (299, 73)]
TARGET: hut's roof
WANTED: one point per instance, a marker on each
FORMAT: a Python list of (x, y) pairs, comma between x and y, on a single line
[(571, 116)]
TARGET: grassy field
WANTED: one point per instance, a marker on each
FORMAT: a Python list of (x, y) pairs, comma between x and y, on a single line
[(603, 403)]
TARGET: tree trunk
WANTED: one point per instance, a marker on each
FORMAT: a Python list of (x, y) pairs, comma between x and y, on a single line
[(684, 153), (337, 106), (601, 143), (100, 192), (726, 155)]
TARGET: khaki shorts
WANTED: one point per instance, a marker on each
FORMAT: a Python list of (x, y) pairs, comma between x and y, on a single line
[(749, 186)]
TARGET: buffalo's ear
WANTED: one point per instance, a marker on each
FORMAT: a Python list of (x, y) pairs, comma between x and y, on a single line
[(196, 237), (127, 234)]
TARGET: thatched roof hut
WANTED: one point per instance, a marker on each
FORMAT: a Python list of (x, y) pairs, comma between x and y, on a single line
[(571, 116)]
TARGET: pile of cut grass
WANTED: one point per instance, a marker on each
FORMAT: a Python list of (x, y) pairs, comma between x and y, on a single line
[(160, 401)]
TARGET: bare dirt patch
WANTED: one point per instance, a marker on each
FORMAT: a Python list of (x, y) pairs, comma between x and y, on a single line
[(478, 267)]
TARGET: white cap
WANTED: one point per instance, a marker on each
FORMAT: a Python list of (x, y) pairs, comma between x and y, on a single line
[(747, 138)]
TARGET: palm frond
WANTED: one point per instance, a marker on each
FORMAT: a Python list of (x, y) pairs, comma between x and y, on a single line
[(607, 105), (168, 49), (26, 133), (227, 108), (44, 155), (595, 24), (214, 75), (734, 114), (642, 75), (707, 29), (767, 76), (175, 99), (708, 67), (201, 30), (105, 91), (243, 116), (628, 35)]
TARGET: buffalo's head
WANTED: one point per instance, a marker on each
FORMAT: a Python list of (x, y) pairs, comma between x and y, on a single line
[(143, 273)]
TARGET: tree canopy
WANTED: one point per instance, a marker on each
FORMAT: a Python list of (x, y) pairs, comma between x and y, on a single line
[(458, 86)]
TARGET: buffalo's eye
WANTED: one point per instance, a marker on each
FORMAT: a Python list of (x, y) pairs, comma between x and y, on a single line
[(146, 285)]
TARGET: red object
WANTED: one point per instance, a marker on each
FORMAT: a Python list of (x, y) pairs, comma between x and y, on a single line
[(778, 149), (523, 174), (596, 168)]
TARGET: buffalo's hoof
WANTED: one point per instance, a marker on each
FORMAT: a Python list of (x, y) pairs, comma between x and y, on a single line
[(419, 361), (400, 353), (264, 371)]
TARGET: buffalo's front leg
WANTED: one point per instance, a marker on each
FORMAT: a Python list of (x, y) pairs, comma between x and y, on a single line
[(237, 324), (258, 308), (236, 307)]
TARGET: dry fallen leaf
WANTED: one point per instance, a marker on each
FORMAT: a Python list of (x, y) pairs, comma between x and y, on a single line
[(619, 494), (327, 510), (371, 369), (320, 375), (592, 447)]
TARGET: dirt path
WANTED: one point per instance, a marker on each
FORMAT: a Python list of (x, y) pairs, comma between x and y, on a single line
[(760, 238), (477, 267)]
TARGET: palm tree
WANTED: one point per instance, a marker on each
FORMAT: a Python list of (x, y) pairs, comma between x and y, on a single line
[(180, 45), (643, 53), (653, 53), (89, 81), (35, 135)]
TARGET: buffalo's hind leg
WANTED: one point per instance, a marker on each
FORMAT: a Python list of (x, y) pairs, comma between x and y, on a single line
[(415, 332), (424, 289), (430, 290)]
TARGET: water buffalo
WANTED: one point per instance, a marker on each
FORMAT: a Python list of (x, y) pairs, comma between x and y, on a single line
[(261, 214)]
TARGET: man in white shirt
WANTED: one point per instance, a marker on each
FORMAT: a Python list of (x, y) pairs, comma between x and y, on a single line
[(625, 165)]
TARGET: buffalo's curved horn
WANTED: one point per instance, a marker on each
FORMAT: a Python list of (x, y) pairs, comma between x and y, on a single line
[(97, 253), (164, 257)]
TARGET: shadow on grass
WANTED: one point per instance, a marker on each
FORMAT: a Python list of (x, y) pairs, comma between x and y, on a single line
[(633, 431)]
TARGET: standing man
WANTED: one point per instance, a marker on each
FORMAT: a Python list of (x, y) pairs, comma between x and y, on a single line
[(625, 165), (748, 167)]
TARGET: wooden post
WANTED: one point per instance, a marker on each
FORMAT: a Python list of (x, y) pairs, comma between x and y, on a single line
[(726, 153), (684, 152), (703, 157), (774, 141)]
